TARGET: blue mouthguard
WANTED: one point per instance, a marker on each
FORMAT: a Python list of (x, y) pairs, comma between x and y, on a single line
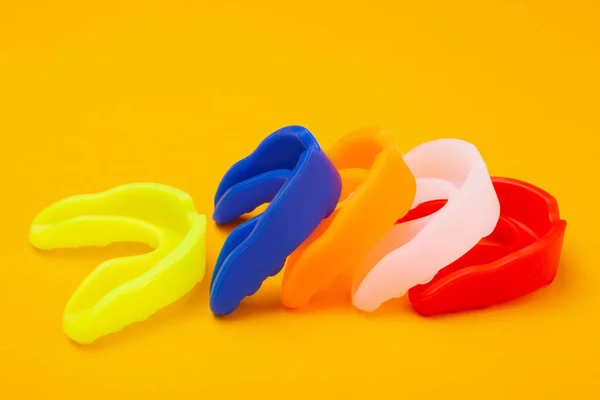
[(289, 170)]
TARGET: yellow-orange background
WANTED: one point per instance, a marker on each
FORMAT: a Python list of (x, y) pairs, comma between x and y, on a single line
[(98, 93)]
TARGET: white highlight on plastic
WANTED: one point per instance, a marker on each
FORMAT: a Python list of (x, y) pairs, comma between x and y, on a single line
[(412, 253)]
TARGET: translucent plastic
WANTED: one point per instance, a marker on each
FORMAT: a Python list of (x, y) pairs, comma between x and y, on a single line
[(413, 252), (128, 289)]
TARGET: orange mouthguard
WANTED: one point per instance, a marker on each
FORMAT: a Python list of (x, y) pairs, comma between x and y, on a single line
[(377, 189)]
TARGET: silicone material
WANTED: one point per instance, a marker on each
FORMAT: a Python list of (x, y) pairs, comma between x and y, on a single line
[(288, 169), (129, 289), (413, 252), (519, 257), (382, 189)]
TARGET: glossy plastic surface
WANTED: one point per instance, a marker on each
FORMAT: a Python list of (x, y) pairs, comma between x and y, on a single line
[(288, 169), (413, 252), (519, 257), (128, 289), (378, 188)]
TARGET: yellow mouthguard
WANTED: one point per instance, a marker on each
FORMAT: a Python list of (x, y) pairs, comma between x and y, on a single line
[(125, 290)]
